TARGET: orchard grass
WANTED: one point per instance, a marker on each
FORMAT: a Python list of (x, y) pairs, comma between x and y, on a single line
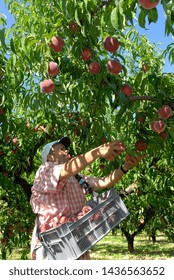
[(114, 247)]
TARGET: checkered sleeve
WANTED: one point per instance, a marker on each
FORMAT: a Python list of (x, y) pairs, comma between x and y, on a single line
[(48, 178)]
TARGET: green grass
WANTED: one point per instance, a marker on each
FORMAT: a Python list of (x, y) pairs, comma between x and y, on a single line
[(114, 247)]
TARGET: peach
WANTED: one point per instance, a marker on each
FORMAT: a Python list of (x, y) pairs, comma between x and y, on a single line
[(148, 4), (86, 54), (57, 43), (140, 146), (94, 67), (47, 86), (114, 66), (110, 44), (53, 68), (165, 112), (127, 89)]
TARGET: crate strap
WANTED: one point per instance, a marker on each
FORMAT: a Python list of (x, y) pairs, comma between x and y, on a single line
[(85, 185)]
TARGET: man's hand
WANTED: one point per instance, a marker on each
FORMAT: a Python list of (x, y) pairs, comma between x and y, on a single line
[(108, 151), (111, 149), (132, 161)]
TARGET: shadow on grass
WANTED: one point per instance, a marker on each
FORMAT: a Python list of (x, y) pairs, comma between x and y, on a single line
[(113, 248), (151, 251)]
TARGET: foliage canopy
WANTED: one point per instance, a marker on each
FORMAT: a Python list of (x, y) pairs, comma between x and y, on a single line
[(89, 108)]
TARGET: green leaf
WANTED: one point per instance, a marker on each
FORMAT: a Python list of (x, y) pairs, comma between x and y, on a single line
[(171, 130), (115, 18), (4, 125), (142, 18), (71, 9), (2, 38), (138, 79), (12, 46), (153, 15), (121, 20), (77, 19), (86, 3), (172, 16), (171, 56), (124, 100), (64, 6), (2, 99), (121, 7), (129, 16)]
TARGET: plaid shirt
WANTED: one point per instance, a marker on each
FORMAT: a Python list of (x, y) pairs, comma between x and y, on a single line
[(53, 198)]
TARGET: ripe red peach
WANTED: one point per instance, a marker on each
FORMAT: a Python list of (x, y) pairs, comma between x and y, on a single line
[(86, 54), (165, 112), (53, 68), (94, 67), (127, 89), (47, 86), (57, 43), (110, 44), (114, 66)]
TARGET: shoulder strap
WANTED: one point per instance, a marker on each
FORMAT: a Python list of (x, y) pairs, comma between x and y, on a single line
[(84, 184)]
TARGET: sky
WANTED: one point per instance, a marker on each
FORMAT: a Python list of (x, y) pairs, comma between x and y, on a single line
[(154, 32)]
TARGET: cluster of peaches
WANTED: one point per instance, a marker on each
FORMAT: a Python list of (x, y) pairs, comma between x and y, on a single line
[(110, 44), (63, 219), (158, 125)]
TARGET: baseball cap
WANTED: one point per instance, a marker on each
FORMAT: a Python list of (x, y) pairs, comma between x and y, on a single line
[(46, 149)]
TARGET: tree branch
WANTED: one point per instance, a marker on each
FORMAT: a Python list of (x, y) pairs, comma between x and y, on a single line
[(25, 185), (135, 98)]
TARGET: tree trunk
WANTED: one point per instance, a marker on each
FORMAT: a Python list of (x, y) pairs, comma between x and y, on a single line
[(153, 235), (130, 241)]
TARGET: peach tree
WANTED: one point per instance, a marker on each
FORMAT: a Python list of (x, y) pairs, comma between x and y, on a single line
[(80, 68)]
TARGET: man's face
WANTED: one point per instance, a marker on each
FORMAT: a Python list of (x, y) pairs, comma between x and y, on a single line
[(59, 154)]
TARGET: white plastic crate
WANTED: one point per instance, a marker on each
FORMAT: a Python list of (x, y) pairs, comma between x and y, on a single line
[(72, 239)]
